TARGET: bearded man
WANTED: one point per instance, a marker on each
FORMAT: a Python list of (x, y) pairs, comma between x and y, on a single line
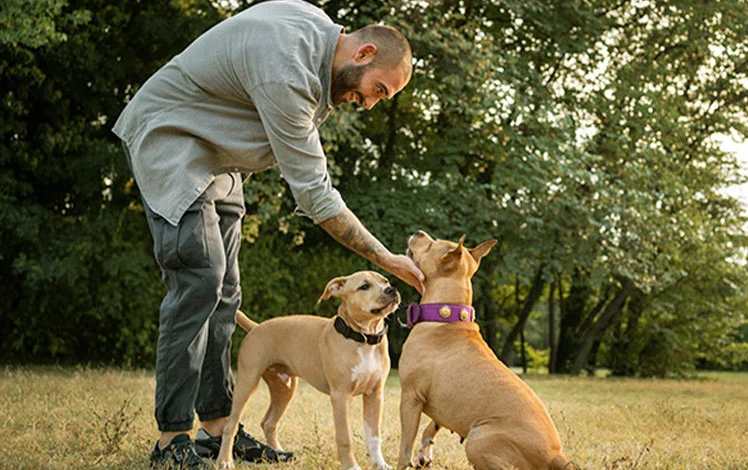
[(246, 95)]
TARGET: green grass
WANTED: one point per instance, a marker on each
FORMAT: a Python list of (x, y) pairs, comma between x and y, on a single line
[(81, 418)]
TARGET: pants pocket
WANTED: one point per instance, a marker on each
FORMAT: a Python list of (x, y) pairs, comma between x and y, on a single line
[(183, 246)]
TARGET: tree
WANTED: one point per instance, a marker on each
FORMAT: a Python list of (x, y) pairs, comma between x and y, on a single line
[(579, 133), (73, 247)]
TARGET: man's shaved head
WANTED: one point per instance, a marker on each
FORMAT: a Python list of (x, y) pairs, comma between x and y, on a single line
[(393, 49)]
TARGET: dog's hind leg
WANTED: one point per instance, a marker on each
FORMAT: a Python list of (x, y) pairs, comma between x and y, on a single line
[(425, 455), (489, 449), (250, 367), (246, 384), (282, 388)]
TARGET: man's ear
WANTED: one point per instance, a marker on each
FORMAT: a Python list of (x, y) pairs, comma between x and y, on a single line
[(482, 250), (365, 53), (333, 288)]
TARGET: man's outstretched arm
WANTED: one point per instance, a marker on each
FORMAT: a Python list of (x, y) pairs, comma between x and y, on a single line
[(347, 230)]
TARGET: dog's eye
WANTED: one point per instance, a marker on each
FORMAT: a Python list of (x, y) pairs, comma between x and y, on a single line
[(364, 287)]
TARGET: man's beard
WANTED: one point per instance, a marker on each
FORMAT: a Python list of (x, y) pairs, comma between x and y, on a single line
[(347, 78)]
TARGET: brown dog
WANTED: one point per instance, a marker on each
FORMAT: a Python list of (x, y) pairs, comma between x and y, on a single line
[(343, 356), (449, 373)]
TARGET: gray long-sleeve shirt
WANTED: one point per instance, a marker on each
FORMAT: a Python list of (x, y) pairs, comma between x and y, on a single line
[(246, 95)]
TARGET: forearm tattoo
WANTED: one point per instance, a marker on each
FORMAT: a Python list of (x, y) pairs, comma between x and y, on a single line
[(347, 230)]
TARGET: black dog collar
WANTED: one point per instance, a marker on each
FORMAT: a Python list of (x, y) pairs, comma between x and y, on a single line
[(342, 327)]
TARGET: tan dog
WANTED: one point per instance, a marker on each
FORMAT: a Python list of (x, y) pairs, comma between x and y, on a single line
[(448, 372), (336, 361)]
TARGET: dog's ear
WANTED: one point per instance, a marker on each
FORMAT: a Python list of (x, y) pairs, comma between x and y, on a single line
[(455, 253), (333, 288), (482, 250)]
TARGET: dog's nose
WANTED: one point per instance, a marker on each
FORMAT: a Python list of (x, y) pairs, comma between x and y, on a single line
[(390, 291), (418, 234)]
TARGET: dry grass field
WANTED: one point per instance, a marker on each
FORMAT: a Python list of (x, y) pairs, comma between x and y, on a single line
[(86, 418)]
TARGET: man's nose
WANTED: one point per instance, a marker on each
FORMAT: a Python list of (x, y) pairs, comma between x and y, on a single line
[(370, 102)]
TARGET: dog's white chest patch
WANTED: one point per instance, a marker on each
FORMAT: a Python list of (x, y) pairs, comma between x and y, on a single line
[(369, 365)]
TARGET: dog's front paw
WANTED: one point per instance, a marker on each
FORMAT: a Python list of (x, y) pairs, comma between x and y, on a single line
[(227, 464), (383, 466), (424, 457), (423, 461)]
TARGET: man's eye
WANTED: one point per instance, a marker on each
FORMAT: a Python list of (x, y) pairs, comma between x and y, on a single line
[(364, 287)]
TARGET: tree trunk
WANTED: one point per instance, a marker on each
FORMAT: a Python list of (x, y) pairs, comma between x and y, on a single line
[(627, 345), (490, 332), (486, 307), (507, 352), (596, 329), (523, 356), (592, 357), (551, 329), (572, 313)]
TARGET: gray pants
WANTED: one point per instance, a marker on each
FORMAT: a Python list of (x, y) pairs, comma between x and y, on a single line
[(199, 265)]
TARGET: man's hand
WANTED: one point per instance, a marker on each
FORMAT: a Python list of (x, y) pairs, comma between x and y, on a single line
[(404, 268), (347, 230)]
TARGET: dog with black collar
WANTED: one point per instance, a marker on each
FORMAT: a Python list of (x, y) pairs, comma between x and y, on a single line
[(343, 357)]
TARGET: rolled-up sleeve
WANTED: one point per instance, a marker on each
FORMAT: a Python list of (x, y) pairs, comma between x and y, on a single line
[(287, 114)]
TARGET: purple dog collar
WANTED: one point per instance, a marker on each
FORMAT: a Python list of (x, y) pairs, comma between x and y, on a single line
[(444, 313)]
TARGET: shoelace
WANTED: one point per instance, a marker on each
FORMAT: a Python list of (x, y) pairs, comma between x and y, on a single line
[(244, 434), (241, 432), (184, 452), (266, 451)]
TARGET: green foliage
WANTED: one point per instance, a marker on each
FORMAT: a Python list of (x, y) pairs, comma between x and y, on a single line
[(537, 359), (734, 356), (276, 279), (580, 133), (78, 278), (35, 24)]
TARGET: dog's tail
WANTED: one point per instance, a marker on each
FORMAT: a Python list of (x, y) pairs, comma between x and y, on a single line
[(244, 322)]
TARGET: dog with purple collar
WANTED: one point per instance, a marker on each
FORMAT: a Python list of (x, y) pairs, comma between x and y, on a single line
[(448, 372)]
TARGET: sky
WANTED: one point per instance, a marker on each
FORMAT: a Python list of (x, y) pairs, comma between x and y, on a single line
[(739, 192)]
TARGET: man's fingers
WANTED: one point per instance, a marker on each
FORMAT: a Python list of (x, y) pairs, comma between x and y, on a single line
[(404, 268)]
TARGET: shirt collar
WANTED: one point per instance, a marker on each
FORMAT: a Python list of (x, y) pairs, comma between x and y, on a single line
[(326, 70)]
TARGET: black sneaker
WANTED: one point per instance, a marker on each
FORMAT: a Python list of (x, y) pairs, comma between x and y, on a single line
[(246, 448), (178, 455)]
